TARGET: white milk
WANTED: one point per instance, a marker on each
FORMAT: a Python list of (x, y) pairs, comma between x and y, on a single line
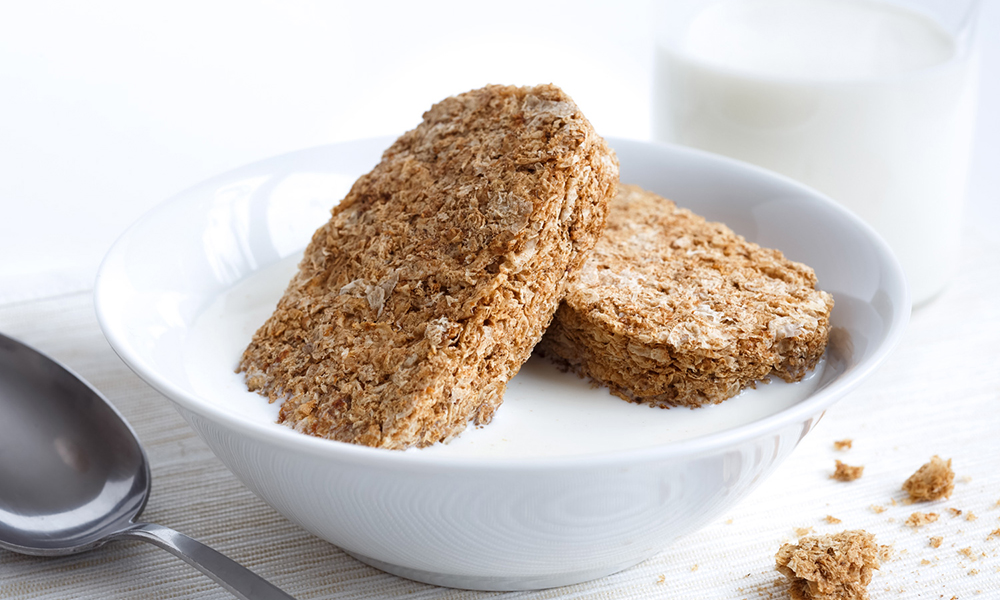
[(545, 412), (870, 104)]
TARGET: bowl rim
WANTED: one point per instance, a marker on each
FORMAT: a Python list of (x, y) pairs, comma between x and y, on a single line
[(116, 332)]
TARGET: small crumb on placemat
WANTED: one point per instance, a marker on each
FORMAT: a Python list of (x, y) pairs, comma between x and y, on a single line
[(843, 444), (845, 472), (935, 541), (919, 519), (933, 481)]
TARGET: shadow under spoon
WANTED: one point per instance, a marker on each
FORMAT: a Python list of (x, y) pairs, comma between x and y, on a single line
[(73, 475)]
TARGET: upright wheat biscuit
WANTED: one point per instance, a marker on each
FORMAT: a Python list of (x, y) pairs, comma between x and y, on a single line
[(437, 274)]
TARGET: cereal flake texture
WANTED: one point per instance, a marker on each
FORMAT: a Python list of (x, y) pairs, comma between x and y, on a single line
[(845, 472), (674, 310), (933, 481), (918, 519), (425, 292), (843, 445), (831, 567)]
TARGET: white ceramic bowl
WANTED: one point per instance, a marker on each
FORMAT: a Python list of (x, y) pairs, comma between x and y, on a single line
[(498, 523)]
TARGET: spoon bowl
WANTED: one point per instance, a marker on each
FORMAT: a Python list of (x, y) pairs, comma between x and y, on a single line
[(75, 476)]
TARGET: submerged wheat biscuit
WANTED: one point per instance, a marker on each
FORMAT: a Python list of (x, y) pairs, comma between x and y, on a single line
[(673, 310), (437, 274)]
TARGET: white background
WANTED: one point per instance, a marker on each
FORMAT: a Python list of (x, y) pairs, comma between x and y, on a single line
[(107, 108)]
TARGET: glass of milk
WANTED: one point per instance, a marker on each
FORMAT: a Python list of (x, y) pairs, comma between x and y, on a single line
[(871, 102)]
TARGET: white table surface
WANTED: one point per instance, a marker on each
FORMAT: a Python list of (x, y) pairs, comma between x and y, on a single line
[(107, 108)]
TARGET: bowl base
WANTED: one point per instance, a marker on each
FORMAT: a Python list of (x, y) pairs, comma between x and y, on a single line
[(495, 583)]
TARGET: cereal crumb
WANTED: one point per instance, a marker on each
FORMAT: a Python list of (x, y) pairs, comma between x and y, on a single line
[(919, 519), (954, 512), (803, 531), (662, 578), (846, 472), (933, 481), (843, 444), (974, 572), (936, 541), (965, 478), (729, 521), (924, 561), (892, 501), (994, 534), (877, 508), (971, 516), (968, 553), (832, 520), (694, 568), (831, 567)]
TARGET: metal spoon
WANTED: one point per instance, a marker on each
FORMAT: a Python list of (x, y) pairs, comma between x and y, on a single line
[(73, 475)]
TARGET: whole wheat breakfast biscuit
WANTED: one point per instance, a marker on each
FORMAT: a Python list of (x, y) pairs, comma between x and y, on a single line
[(673, 310), (437, 274)]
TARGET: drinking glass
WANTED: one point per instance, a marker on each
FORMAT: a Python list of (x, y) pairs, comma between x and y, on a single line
[(871, 102)]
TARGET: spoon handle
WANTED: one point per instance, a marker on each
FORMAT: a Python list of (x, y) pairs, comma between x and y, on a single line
[(236, 578)]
